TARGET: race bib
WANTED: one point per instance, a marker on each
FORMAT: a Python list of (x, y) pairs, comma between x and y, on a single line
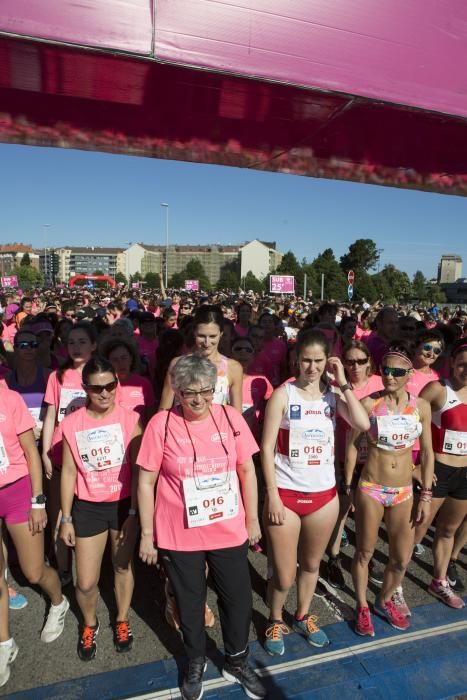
[(310, 447), (210, 499), (396, 432), (455, 442), (4, 461), (70, 400), (101, 448)]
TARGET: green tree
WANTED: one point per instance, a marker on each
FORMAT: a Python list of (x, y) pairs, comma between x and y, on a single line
[(252, 282), (364, 287), (419, 286), (28, 276), (436, 294), (382, 288), (25, 260), (335, 282), (229, 276), (193, 270), (289, 265), (120, 278), (227, 280), (152, 280), (362, 255), (398, 282)]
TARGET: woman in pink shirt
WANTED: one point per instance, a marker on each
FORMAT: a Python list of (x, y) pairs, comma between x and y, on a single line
[(63, 395), (134, 391), (98, 499), (200, 455), (22, 512)]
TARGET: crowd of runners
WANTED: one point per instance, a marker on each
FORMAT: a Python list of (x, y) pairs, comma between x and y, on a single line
[(189, 429)]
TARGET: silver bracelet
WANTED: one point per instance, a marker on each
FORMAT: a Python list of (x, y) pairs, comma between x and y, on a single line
[(65, 519), (38, 506)]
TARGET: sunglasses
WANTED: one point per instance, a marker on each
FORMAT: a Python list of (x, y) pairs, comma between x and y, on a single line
[(99, 388), (432, 348), (26, 344), (244, 349), (204, 393), (394, 371), (360, 362)]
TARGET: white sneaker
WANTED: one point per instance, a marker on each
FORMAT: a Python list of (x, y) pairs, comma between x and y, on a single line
[(55, 621), (8, 654)]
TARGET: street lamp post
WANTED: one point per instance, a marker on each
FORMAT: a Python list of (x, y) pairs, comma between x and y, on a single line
[(166, 206), (45, 227)]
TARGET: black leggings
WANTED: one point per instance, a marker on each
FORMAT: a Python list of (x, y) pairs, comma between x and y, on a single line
[(228, 568)]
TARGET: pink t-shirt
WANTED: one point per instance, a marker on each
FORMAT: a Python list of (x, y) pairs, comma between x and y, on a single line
[(67, 396), (14, 420), (256, 391), (419, 380), (100, 449), (173, 458), (375, 383), (136, 393)]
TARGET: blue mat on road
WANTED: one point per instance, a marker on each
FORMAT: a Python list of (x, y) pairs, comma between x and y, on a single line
[(429, 662)]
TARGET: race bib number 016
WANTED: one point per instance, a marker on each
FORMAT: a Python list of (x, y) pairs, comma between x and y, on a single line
[(455, 442), (101, 448), (208, 506)]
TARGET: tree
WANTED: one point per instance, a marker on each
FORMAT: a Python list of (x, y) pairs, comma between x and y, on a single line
[(364, 287), (393, 286), (252, 282), (419, 286), (436, 294), (229, 277), (193, 270), (335, 283), (362, 255), (28, 276), (152, 280), (289, 265), (25, 260), (227, 280), (120, 278)]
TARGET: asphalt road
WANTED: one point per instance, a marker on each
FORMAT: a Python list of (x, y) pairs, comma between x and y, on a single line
[(41, 664)]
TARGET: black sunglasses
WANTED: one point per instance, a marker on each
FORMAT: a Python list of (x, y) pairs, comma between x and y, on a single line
[(26, 344), (394, 371), (432, 348), (99, 388), (359, 362)]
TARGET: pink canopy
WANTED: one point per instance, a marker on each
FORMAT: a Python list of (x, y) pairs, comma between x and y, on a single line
[(353, 89)]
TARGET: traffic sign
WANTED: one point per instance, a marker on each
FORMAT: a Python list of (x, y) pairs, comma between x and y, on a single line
[(350, 292), (350, 276)]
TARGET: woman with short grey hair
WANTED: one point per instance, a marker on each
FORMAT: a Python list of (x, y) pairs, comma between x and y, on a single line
[(200, 456)]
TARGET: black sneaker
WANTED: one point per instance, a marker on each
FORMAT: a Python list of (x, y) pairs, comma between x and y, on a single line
[(244, 674), (375, 573), (453, 577), (123, 638), (334, 575), (87, 646), (192, 686)]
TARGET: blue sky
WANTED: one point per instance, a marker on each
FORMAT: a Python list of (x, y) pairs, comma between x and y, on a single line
[(101, 199)]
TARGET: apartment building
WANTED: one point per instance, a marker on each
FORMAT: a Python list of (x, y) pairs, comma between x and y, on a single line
[(87, 260), (449, 269)]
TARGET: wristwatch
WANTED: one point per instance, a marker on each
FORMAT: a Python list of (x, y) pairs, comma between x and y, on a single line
[(39, 500), (65, 519), (344, 387)]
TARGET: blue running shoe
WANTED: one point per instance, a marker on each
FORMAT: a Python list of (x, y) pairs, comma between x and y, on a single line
[(16, 600), (308, 627), (274, 643)]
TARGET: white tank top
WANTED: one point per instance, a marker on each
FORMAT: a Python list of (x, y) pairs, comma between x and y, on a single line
[(304, 456)]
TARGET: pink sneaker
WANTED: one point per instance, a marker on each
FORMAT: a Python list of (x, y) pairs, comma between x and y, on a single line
[(399, 601), (443, 591), (363, 624), (389, 611)]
